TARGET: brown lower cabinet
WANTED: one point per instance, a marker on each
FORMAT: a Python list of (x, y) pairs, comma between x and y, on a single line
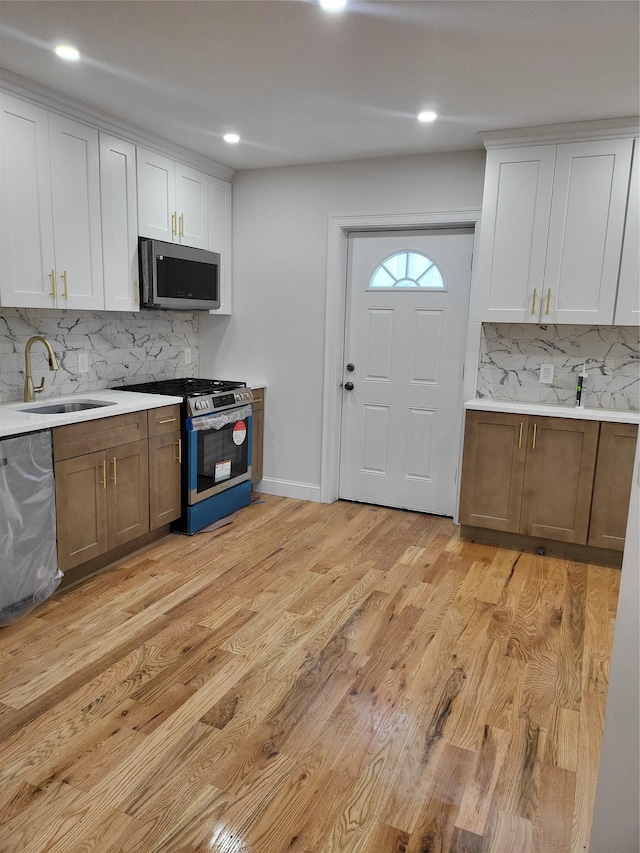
[(558, 478), (113, 482), (612, 485), (535, 476), (257, 426), (165, 463)]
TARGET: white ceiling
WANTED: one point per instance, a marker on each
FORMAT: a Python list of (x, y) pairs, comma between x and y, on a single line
[(303, 86)]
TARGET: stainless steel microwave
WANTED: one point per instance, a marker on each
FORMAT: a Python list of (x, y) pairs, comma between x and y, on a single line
[(178, 277)]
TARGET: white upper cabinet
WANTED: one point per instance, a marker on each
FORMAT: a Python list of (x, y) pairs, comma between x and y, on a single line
[(50, 214), (628, 302), (590, 189), (75, 195), (27, 261), (552, 225), (73, 201), (219, 193), (118, 197), (172, 201), (192, 207), (513, 238)]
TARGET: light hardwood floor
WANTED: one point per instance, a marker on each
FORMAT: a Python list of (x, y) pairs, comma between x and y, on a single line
[(315, 678)]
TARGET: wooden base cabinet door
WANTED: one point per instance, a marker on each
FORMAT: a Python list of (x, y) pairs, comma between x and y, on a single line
[(127, 492), (164, 479), (558, 483), (612, 486), (81, 506), (493, 470), (257, 427)]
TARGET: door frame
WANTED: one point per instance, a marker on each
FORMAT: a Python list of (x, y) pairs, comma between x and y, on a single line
[(339, 230)]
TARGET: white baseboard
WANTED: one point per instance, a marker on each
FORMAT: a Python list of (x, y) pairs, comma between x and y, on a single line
[(289, 489)]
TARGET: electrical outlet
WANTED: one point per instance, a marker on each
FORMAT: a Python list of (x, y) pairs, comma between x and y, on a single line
[(546, 374), (83, 362), (187, 355)]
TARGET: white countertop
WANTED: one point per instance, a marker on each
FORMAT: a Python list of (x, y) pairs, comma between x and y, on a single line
[(13, 421), (542, 410)]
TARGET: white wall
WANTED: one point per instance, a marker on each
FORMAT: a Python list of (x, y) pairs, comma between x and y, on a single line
[(276, 331), (616, 824)]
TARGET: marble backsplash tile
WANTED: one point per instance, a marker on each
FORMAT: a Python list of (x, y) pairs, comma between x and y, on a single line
[(511, 355), (121, 348)]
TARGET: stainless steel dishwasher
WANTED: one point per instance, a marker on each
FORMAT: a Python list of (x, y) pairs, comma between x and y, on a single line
[(29, 571)]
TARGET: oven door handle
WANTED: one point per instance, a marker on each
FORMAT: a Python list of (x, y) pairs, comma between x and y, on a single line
[(219, 419)]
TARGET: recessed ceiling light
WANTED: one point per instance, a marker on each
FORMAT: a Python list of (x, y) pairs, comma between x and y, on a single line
[(427, 115), (231, 138), (65, 51), (333, 5)]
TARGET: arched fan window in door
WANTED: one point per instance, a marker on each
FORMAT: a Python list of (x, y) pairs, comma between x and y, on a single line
[(407, 269)]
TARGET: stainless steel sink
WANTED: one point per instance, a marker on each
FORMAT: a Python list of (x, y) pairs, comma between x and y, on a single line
[(63, 408)]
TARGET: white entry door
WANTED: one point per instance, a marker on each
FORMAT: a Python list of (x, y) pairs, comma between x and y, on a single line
[(406, 327)]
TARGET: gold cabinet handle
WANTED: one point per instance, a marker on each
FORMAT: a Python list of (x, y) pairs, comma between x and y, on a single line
[(179, 456), (136, 292), (535, 432), (64, 283), (182, 225), (115, 472), (548, 301), (52, 277), (174, 225), (166, 420), (104, 474), (535, 297), (520, 436)]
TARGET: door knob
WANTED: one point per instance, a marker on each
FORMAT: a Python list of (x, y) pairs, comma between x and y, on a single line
[(351, 367), (348, 386)]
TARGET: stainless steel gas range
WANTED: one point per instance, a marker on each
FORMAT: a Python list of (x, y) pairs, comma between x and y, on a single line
[(216, 423)]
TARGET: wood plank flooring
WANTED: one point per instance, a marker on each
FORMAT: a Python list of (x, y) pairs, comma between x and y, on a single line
[(311, 679)]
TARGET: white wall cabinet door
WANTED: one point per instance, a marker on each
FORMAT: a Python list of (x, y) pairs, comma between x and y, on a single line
[(513, 237), (172, 201), (552, 225), (588, 209), (118, 196), (75, 195), (156, 196), (191, 207), (219, 195), (27, 260), (51, 243), (628, 301)]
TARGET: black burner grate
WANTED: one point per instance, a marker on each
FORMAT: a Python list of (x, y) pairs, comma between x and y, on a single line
[(184, 387)]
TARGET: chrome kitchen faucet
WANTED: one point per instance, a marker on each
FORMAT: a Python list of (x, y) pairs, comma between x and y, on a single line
[(29, 390)]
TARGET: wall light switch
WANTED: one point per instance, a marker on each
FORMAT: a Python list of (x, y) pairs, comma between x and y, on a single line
[(546, 374), (187, 355), (83, 362)]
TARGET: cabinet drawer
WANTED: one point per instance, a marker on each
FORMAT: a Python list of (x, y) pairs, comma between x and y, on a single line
[(166, 419), (88, 436)]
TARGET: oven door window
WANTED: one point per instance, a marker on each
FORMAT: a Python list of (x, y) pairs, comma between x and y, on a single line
[(222, 455)]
